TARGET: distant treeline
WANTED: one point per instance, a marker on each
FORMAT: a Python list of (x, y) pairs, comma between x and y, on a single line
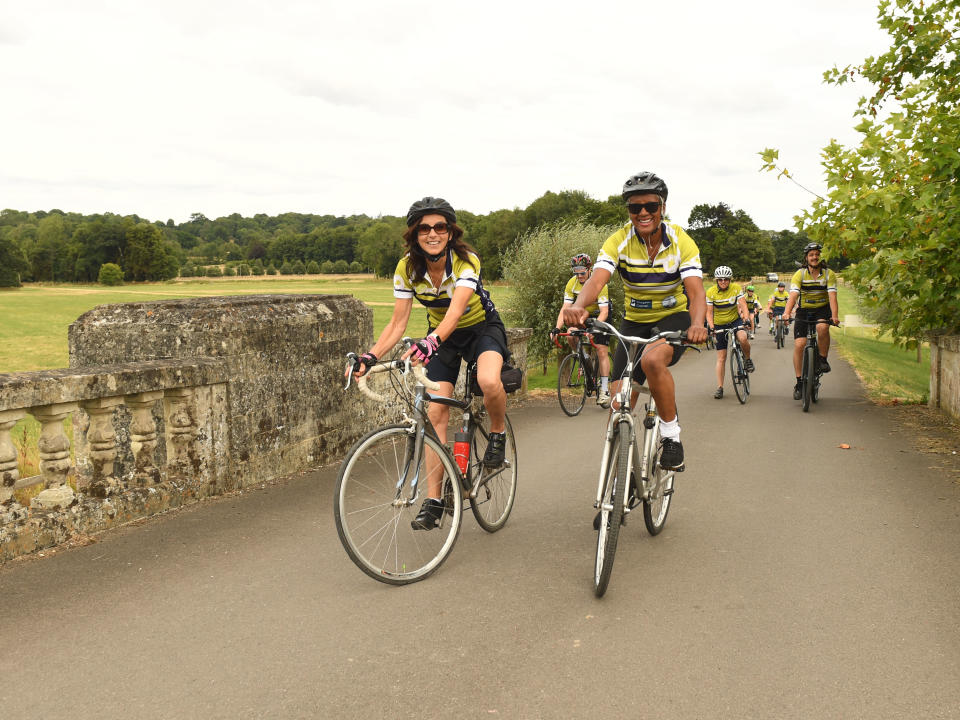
[(70, 247)]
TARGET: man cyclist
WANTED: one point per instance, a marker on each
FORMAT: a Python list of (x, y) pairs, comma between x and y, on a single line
[(813, 291), (727, 309), (581, 264), (663, 287), (777, 304), (753, 307)]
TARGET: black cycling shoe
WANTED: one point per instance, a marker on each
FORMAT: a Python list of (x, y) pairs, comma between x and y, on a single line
[(797, 391), (824, 365), (671, 454), (496, 450), (748, 365), (429, 516), (719, 393)]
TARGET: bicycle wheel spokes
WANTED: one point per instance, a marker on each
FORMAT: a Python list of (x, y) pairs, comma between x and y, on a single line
[(737, 374), (611, 508), (659, 493), (374, 519), (571, 385), (497, 489)]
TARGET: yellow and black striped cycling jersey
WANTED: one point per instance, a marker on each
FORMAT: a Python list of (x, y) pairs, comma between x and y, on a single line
[(724, 303), (780, 299), (457, 273), (652, 290), (572, 291), (813, 291)]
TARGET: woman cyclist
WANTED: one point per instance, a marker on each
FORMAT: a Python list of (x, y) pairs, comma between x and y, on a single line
[(442, 272), (727, 309), (581, 264)]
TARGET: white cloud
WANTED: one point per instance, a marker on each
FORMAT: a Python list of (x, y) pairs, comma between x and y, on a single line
[(164, 109)]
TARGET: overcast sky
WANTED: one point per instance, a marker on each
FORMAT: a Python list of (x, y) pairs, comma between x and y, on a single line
[(168, 108)]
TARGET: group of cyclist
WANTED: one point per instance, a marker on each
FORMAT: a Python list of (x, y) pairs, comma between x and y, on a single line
[(659, 264)]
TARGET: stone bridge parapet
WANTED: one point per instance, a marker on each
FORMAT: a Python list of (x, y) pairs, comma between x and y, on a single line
[(175, 400)]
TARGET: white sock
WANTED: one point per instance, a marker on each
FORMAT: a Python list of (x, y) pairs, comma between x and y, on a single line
[(603, 383), (670, 430)]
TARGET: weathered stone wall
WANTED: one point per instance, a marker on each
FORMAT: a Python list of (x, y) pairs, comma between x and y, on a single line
[(945, 374)]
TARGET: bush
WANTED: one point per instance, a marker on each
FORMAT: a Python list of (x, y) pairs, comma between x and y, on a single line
[(214, 271), (243, 270), (258, 268), (271, 270), (356, 267), (228, 271), (298, 268), (286, 268), (326, 267), (110, 274), (313, 268), (538, 267), (341, 266), (188, 271)]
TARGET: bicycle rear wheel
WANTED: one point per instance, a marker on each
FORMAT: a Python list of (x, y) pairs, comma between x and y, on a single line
[(611, 507), (498, 487), (373, 510), (807, 371), (738, 375), (660, 485), (571, 385)]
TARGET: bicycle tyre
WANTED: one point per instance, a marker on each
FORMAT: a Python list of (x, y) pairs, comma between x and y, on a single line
[(807, 371), (374, 530), (592, 369), (779, 335), (615, 485), (571, 385), (660, 483), (498, 489), (738, 374)]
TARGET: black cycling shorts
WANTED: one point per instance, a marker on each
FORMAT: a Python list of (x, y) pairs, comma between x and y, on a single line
[(722, 336), (467, 344), (677, 321), (800, 319)]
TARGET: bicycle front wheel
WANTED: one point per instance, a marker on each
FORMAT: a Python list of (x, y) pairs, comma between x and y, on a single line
[(809, 368), (656, 504), (374, 509), (571, 385), (611, 507), (497, 487), (738, 374)]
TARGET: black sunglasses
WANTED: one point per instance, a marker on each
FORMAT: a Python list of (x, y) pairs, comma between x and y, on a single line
[(440, 228), (650, 207)]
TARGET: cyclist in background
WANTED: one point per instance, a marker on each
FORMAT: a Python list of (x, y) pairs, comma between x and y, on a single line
[(777, 303), (727, 309), (663, 288), (813, 289), (753, 307), (581, 264), (442, 272)]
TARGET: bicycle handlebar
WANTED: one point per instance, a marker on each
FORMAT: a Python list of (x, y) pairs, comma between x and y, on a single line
[(672, 337), (571, 332), (404, 366)]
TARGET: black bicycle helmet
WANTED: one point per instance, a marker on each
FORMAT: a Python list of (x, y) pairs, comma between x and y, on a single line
[(430, 205), (812, 246), (643, 183)]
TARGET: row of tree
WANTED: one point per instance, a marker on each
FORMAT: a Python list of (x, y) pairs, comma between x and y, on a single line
[(69, 247)]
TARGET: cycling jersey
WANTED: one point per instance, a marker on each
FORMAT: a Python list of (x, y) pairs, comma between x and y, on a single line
[(652, 290), (813, 291), (780, 299), (752, 302), (572, 291), (457, 273), (724, 303)]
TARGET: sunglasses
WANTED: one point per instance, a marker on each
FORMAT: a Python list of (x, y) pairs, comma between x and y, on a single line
[(440, 228), (580, 271), (650, 207)]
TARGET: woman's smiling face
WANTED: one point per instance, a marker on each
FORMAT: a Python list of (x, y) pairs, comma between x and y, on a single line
[(433, 241)]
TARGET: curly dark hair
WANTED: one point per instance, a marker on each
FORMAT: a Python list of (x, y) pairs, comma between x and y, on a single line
[(418, 262)]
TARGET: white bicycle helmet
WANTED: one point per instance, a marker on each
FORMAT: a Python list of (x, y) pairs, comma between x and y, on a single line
[(723, 272)]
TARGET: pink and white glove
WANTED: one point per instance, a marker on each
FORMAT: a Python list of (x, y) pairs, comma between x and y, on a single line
[(425, 349)]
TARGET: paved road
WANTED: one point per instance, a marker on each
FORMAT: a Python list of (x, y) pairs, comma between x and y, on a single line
[(782, 587)]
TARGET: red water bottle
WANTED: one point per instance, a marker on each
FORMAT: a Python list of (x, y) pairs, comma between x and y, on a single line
[(461, 450)]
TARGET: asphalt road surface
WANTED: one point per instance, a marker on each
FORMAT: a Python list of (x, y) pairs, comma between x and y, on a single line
[(794, 579)]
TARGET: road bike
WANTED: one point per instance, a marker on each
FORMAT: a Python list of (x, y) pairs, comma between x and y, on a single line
[(630, 472), (810, 372), (577, 377), (779, 330), (384, 477), (738, 370)]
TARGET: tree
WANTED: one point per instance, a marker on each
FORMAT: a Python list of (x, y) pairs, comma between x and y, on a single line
[(380, 246), (110, 274), (147, 258), (313, 268), (12, 262), (727, 237), (893, 203)]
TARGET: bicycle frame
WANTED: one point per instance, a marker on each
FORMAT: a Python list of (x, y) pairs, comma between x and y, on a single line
[(582, 355)]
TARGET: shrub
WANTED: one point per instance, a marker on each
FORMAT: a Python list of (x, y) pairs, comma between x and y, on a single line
[(110, 274), (538, 266), (356, 267), (187, 271), (313, 268), (297, 267), (214, 271), (258, 268), (243, 269), (228, 271), (341, 266), (271, 270), (286, 268)]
